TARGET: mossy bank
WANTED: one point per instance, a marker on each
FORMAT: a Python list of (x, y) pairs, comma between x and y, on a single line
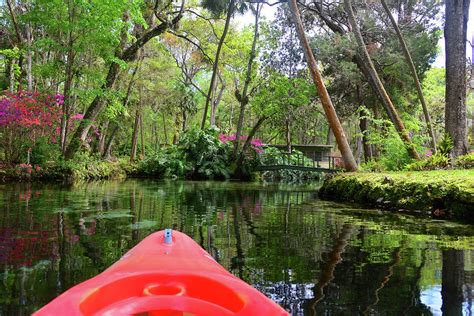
[(442, 193)]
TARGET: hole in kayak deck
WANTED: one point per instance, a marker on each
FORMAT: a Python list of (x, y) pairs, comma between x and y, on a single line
[(187, 286)]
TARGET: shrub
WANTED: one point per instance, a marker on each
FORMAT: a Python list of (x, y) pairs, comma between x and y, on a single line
[(44, 151), (445, 145), (206, 155), (198, 155), (372, 166), (434, 162), (26, 117), (465, 161)]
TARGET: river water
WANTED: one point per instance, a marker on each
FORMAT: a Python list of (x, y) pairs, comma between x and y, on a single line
[(310, 256)]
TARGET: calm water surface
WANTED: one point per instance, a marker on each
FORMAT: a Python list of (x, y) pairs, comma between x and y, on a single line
[(310, 256)]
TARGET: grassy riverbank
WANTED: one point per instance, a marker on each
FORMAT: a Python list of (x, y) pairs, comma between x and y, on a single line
[(449, 192)]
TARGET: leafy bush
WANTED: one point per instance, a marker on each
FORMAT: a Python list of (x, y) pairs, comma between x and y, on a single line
[(44, 151), (445, 145), (207, 156), (382, 133), (199, 155), (85, 166), (434, 162), (163, 164), (465, 161), (372, 166)]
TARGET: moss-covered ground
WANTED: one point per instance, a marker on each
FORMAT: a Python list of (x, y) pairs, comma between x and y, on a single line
[(443, 192)]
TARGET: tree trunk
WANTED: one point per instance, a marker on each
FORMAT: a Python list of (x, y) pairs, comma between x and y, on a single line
[(142, 138), (11, 75), (410, 63), (108, 147), (364, 126), (244, 98), (184, 121), (165, 129), (103, 135), (66, 107), (288, 134), (247, 144), (215, 103), (136, 125), (330, 137), (455, 34), (29, 57), (333, 119), (69, 75), (230, 12), (391, 111)]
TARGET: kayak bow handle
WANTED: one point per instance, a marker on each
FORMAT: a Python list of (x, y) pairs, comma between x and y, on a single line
[(168, 236)]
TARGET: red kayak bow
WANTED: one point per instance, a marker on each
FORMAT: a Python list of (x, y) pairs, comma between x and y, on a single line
[(167, 273)]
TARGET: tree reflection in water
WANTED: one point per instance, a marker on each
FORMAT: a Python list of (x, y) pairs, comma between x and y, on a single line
[(310, 256)]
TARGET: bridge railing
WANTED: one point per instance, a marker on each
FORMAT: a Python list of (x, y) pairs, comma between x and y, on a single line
[(299, 159)]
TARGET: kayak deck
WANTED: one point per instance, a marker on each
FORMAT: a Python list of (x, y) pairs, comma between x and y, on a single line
[(165, 274)]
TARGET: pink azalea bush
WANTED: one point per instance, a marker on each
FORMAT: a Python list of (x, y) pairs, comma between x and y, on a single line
[(256, 143)]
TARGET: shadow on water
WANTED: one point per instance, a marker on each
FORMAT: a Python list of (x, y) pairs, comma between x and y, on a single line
[(310, 256)]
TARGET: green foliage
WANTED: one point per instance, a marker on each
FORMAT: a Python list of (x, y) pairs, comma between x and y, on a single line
[(465, 161), (445, 145), (208, 157), (165, 163), (85, 167), (44, 151), (372, 165), (435, 162), (198, 155)]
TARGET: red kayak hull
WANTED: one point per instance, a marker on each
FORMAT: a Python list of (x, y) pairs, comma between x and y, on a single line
[(159, 278)]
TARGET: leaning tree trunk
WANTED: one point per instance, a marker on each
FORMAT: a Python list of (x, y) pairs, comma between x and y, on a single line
[(455, 32), (390, 108), (108, 147), (245, 147), (230, 12), (410, 63), (328, 107)]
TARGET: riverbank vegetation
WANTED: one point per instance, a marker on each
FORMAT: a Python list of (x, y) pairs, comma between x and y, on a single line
[(195, 89), (438, 192)]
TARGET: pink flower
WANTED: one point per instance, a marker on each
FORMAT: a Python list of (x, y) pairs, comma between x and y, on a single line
[(429, 153), (223, 138), (77, 116), (256, 142), (38, 168)]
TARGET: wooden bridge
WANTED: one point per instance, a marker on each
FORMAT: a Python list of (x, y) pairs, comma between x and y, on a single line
[(311, 158)]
